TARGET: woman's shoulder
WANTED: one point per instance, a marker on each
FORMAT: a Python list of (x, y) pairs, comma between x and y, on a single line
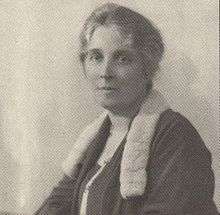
[(174, 130), (172, 120), (170, 117)]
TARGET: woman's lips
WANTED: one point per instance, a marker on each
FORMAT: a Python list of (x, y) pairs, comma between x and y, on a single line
[(108, 91), (107, 88)]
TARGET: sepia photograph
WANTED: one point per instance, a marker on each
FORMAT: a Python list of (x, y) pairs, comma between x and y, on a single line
[(109, 107)]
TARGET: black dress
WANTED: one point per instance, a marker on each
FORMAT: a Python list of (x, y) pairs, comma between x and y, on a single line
[(180, 177)]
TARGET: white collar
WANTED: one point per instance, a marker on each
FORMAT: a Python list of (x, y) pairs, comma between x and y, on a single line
[(119, 123), (133, 175)]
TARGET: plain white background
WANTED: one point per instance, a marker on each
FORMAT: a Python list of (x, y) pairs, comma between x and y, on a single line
[(45, 101)]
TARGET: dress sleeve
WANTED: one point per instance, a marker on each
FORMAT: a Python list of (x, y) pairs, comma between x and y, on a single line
[(61, 197), (181, 179)]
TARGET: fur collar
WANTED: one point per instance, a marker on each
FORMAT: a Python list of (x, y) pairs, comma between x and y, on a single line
[(133, 175)]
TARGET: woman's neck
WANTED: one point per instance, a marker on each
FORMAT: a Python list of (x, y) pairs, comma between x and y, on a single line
[(121, 118)]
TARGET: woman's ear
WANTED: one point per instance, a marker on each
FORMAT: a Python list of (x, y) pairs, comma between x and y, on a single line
[(82, 58), (84, 69), (151, 69), (150, 66)]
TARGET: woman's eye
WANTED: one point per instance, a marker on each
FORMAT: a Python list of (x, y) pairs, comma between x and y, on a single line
[(96, 57), (124, 59)]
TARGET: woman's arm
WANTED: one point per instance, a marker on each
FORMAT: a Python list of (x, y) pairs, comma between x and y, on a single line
[(181, 179), (60, 200)]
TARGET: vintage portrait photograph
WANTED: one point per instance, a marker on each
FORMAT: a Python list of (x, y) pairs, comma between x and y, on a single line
[(109, 107)]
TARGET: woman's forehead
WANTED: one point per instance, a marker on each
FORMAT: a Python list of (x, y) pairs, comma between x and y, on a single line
[(110, 37)]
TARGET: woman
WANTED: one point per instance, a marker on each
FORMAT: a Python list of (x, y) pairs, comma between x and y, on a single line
[(139, 156)]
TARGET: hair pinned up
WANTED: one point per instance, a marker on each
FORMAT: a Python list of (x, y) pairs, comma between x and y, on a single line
[(146, 37)]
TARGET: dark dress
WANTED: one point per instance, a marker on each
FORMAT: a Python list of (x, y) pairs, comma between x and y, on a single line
[(180, 177)]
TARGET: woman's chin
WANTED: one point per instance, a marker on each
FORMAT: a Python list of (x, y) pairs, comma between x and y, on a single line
[(109, 105)]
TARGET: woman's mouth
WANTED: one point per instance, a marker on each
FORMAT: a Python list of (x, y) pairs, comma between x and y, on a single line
[(106, 88)]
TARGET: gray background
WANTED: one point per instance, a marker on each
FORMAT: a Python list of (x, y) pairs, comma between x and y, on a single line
[(44, 99)]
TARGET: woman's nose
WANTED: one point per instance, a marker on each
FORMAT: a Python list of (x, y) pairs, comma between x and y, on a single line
[(107, 71)]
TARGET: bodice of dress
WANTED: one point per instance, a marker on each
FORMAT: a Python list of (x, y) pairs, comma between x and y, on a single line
[(110, 150)]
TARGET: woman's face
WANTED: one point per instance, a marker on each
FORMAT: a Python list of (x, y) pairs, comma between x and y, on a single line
[(115, 69)]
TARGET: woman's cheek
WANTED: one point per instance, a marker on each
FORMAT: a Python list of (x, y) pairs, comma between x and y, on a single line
[(130, 77), (91, 74)]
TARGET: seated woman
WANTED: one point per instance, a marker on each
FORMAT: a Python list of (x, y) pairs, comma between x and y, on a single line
[(139, 157)]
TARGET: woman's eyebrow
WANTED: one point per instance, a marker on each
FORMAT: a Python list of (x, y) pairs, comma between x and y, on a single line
[(93, 51), (124, 52)]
